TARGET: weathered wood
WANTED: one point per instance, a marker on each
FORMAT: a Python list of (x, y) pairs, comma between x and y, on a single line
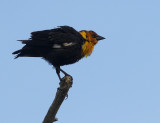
[(62, 92)]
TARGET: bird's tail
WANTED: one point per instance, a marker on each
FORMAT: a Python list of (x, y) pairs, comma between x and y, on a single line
[(31, 51), (22, 51), (18, 52)]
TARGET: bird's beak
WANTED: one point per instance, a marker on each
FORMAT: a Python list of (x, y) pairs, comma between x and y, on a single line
[(100, 38)]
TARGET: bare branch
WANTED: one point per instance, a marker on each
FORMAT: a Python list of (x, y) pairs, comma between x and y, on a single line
[(62, 92)]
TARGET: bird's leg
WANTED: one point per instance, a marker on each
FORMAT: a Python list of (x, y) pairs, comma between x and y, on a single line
[(63, 72), (58, 73), (58, 70)]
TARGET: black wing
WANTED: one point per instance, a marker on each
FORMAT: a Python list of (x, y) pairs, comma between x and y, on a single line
[(63, 34), (41, 42)]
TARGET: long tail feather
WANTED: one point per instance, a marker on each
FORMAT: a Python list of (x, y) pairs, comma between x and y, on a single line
[(17, 52), (23, 41)]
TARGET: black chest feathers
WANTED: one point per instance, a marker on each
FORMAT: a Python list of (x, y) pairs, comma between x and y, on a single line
[(63, 56)]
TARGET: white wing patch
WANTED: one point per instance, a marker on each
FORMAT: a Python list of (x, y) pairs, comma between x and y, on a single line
[(57, 46), (63, 45), (68, 44)]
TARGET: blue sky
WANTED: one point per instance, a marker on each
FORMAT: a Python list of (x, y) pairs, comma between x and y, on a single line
[(119, 83)]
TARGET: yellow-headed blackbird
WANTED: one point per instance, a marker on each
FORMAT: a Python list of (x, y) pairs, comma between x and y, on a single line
[(60, 46)]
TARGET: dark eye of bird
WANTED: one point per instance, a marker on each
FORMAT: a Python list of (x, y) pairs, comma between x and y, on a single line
[(93, 36)]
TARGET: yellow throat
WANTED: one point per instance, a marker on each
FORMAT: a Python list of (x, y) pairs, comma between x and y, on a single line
[(87, 47)]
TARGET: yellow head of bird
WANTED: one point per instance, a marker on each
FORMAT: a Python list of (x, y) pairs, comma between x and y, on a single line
[(91, 36), (91, 39)]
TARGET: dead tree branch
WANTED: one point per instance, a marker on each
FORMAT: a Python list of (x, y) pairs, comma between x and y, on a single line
[(62, 92)]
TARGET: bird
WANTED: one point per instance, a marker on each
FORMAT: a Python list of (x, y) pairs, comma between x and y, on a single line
[(59, 46)]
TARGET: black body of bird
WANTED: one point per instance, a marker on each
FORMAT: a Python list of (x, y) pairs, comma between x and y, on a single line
[(60, 46)]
